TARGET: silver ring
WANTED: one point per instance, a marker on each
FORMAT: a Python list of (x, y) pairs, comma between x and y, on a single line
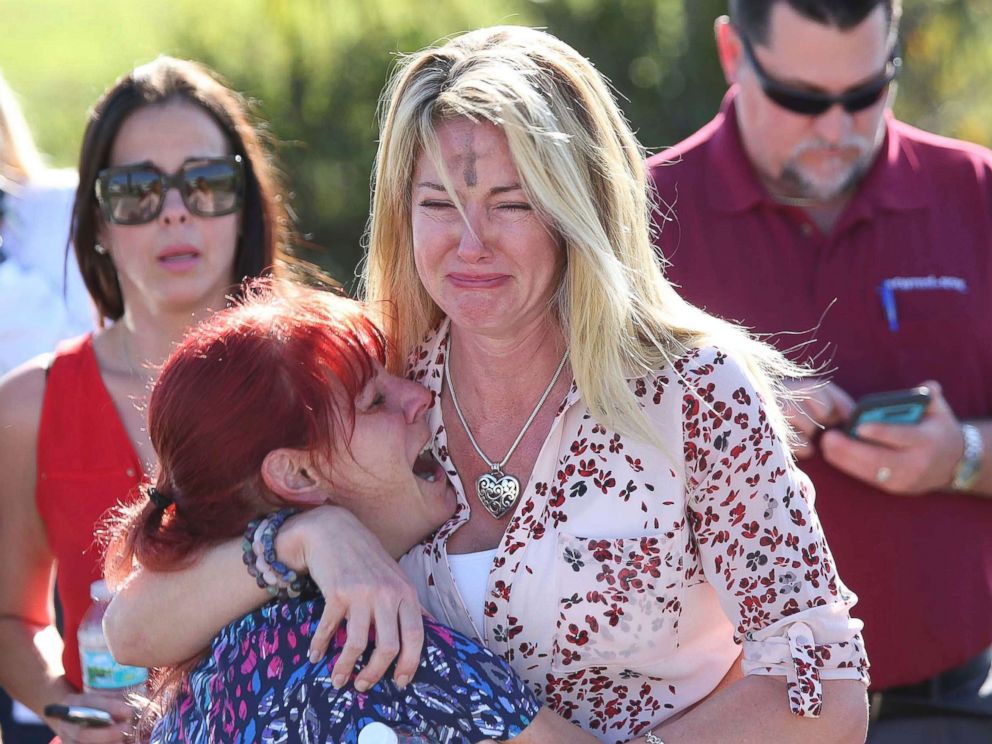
[(883, 474)]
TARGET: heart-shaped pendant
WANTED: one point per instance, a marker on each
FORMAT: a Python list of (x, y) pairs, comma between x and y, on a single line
[(497, 492)]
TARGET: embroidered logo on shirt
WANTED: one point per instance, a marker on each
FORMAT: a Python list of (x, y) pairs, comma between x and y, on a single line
[(888, 288)]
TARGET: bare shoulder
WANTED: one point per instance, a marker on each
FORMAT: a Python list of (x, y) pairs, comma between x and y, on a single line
[(22, 391)]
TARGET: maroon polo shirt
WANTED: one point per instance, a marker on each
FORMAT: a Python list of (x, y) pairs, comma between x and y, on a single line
[(897, 293)]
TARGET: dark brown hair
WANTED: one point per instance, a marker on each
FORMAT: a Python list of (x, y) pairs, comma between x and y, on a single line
[(751, 17), (265, 229)]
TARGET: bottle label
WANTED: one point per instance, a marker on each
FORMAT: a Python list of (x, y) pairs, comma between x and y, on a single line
[(101, 672)]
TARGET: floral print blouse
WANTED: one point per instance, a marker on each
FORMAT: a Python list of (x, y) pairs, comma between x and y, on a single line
[(631, 576), (257, 686)]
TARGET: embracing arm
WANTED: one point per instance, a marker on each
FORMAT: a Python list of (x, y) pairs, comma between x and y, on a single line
[(731, 715), (762, 549), (550, 728), (164, 618)]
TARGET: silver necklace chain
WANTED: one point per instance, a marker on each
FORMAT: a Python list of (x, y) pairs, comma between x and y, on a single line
[(497, 467)]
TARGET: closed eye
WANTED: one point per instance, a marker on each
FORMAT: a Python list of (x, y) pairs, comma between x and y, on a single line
[(516, 206), (435, 204), (370, 397)]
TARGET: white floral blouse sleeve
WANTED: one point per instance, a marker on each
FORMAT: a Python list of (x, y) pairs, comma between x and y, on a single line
[(759, 540)]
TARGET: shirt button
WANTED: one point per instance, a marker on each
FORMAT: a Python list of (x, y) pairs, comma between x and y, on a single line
[(807, 229), (130, 472)]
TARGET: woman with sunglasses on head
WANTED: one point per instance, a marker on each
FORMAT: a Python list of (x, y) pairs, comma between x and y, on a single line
[(176, 203), (294, 410)]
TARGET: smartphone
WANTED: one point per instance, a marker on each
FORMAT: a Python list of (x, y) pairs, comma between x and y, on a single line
[(80, 714), (893, 407)]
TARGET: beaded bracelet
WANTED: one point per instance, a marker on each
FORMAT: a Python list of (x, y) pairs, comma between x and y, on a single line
[(259, 557)]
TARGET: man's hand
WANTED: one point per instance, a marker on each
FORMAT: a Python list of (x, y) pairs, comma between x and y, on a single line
[(362, 584), (818, 405), (904, 459), (113, 703)]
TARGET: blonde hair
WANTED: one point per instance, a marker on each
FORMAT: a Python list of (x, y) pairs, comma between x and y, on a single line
[(583, 170), (19, 158)]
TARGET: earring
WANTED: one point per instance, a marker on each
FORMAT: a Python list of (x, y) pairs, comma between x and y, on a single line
[(100, 249)]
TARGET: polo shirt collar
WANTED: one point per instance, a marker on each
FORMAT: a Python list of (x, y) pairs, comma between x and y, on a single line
[(895, 180), (732, 183)]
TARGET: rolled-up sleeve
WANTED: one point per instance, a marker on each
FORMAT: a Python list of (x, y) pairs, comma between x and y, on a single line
[(759, 541)]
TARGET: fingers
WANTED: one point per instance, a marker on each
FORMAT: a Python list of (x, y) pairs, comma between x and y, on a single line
[(71, 733), (411, 642), (817, 405), (894, 436), (858, 459), (330, 620), (801, 419), (387, 646), (359, 619), (111, 702), (842, 403), (887, 469)]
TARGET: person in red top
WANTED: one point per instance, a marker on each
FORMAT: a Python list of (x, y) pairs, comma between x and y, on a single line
[(176, 203), (860, 244)]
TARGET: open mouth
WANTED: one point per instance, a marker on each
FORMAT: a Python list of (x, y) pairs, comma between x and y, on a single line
[(173, 257), (426, 467)]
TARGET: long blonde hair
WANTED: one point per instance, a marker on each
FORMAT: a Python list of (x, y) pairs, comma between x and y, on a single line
[(20, 161), (583, 170)]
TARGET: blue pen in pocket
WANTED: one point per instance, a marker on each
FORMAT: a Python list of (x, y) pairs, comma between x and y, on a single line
[(887, 293)]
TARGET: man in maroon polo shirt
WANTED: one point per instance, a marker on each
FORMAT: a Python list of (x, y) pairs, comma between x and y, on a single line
[(805, 210)]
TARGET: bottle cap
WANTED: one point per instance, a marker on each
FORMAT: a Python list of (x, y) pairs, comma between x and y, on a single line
[(377, 733), (100, 592)]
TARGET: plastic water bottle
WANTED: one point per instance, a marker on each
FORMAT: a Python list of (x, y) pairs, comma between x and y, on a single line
[(100, 670), (380, 733)]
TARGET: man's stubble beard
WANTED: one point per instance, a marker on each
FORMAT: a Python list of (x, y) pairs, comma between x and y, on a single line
[(796, 181)]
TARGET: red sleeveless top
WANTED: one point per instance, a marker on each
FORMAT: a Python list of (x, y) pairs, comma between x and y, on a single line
[(86, 464)]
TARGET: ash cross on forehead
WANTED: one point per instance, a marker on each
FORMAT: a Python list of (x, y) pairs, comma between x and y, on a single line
[(471, 157)]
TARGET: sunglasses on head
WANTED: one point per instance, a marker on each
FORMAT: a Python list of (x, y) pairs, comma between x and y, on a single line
[(811, 103), (135, 194)]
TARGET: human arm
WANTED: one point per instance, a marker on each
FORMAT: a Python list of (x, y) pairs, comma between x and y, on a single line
[(762, 550), (550, 728), (360, 581), (918, 459), (731, 715), (30, 645)]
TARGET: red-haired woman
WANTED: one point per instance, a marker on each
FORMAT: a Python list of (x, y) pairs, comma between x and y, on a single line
[(155, 259), (276, 404)]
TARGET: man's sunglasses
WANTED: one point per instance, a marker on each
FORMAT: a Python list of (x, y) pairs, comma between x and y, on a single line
[(811, 103), (135, 194)]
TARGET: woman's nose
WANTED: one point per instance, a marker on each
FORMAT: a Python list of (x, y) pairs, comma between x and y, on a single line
[(416, 399), (174, 209), (472, 245)]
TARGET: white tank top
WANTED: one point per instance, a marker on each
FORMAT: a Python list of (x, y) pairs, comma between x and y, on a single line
[(471, 574)]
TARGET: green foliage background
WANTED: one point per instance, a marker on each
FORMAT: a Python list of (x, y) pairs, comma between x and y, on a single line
[(316, 67)]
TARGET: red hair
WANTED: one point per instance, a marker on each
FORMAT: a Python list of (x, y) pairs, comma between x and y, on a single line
[(265, 373), (280, 368)]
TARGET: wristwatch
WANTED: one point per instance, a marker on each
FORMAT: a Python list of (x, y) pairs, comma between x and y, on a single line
[(967, 470)]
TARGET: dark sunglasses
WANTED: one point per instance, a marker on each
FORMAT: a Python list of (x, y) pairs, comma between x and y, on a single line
[(811, 103), (135, 194)]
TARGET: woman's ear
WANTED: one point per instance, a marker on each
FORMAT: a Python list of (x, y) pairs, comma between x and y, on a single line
[(289, 473)]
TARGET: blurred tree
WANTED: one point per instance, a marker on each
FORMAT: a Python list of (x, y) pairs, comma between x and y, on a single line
[(317, 68)]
